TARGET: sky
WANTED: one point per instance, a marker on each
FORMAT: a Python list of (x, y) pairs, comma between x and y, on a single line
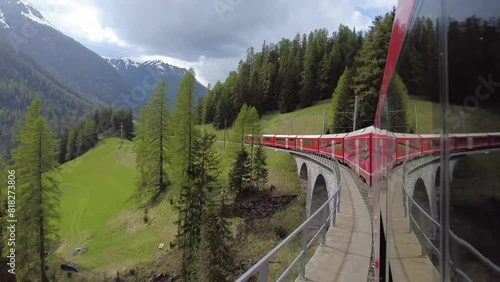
[(211, 36)]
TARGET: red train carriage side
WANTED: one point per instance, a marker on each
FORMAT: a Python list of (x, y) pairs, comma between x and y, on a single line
[(308, 143), (408, 146), (469, 141), (357, 152), (431, 143), (267, 140), (285, 141), (332, 145), (494, 139)]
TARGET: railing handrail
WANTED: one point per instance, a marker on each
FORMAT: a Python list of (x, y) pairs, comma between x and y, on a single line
[(263, 264), (453, 236)]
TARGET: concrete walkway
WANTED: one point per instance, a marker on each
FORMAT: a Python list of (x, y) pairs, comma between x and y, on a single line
[(346, 256), (405, 255)]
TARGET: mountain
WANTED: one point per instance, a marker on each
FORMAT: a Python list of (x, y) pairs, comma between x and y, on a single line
[(146, 75), (22, 80), (25, 30)]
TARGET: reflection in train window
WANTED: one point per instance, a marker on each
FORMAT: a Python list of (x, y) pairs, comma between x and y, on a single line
[(434, 143)]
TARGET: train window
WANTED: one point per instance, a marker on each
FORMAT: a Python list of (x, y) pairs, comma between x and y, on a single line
[(266, 139), (401, 147), (338, 146), (434, 143), (496, 139), (308, 143), (461, 141), (279, 140), (291, 141), (481, 140)]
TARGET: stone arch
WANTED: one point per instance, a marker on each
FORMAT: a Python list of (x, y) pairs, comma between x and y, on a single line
[(437, 179), (303, 173), (422, 198), (319, 194)]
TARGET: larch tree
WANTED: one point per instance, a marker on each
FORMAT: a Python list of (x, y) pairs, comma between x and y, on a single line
[(35, 164), (259, 168), (183, 129), (152, 147)]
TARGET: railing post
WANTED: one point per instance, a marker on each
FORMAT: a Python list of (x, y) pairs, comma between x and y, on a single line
[(263, 272), (410, 215), (335, 209), (325, 224), (305, 236)]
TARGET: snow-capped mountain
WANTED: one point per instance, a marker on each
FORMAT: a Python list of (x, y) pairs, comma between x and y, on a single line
[(24, 30), (11, 11), (155, 70)]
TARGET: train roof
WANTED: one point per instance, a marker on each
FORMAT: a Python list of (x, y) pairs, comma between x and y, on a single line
[(430, 135), (338, 135), (406, 135), (285, 136), (308, 136), (362, 131), (468, 134)]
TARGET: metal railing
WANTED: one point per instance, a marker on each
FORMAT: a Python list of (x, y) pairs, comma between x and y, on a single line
[(262, 267), (409, 203)]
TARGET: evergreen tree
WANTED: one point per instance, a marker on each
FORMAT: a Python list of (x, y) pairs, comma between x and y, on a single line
[(80, 145), (63, 147), (342, 104), (151, 143), (310, 91), (183, 129), (239, 175), (219, 258), (259, 168), (397, 100), (370, 64), (71, 150), (35, 162), (194, 194)]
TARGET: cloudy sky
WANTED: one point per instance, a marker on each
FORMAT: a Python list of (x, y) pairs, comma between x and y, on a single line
[(209, 35)]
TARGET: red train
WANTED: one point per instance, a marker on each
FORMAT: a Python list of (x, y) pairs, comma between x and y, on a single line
[(355, 149)]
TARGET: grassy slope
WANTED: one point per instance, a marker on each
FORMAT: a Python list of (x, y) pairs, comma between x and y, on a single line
[(96, 211)]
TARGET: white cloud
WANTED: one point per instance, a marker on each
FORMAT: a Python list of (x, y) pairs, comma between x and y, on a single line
[(190, 33), (80, 20)]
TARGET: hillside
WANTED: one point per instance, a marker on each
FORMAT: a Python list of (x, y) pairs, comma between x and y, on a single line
[(24, 29), (22, 80), (310, 120), (96, 212)]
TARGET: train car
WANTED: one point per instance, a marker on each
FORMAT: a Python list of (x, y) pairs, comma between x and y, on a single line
[(431, 143), (308, 143), (469, 141), (285, 141), (494, 139), (249, 138), (357, 152), (267, 140), (408, 146), (332, 145)]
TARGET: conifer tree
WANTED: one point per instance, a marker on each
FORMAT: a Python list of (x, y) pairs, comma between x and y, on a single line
[(259, 168), (38, 194), (152, 147), (342, 104), (370, 64), (72, 146), (204, 172), (239, 175), (63, 146), (3, 220), (183, 129), (219, 257)]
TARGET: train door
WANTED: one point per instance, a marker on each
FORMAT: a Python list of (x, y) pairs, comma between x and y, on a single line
[(357, 152)]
